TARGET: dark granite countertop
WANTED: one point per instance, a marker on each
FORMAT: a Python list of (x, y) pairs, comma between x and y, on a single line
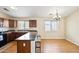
[(28, 36), (9, 31)]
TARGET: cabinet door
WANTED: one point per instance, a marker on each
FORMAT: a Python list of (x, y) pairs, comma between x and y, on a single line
[(13, 36), (23, 46), (32, 23), (9, 37), (18, 34), (11, 23), (38, 47)]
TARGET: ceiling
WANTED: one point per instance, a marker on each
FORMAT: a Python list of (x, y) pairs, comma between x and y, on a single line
[(38, 11)]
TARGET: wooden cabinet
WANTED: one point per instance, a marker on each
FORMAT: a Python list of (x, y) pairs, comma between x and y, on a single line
[(18, 34), (11, 36), (11, 23), (38, 47), (32, 23), (23, 46)]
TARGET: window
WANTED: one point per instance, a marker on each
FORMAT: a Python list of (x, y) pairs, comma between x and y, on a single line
[(47, 26), (23, 24), (55, 25), (26, 24), (51, 25)]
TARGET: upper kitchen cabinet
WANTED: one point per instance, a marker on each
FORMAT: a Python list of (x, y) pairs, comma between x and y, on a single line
[(12, 23), (8, 23), (32, 23)]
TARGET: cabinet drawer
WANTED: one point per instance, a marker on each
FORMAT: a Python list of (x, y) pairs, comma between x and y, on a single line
[(24, 46), (38, 47), (37, 44), (38, 50)]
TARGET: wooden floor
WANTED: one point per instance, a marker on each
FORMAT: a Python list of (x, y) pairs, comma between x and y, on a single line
[(47, 46), (58, 46), (9, 48)]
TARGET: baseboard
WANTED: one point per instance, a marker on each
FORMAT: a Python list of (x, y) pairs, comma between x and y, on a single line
[(72, 42), (53, 39)]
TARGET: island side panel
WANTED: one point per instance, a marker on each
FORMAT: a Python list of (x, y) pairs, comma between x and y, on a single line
[(23, 46)]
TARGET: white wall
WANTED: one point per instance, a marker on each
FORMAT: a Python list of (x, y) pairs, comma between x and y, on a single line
[(60, 34), (72, 28), (6, 23)]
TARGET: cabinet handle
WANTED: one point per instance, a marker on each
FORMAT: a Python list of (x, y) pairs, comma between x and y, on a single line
[(24, 44)]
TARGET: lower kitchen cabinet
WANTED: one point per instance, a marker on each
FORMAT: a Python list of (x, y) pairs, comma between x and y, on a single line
[(18, 34), (11, 36), (38, 47), (23, 46)]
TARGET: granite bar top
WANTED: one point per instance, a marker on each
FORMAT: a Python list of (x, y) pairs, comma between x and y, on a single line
[(28, 36)]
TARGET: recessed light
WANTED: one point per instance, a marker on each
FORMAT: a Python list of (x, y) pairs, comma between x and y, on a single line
[(13, 7), (5, 9)]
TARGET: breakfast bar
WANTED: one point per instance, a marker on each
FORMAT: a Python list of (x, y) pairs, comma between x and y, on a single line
[(26, 42)]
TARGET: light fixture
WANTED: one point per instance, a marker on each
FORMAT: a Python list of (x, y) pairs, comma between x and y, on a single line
[(57, 17), (13, 7)]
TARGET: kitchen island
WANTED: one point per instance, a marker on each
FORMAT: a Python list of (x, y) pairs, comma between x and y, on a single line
[(26, 42)]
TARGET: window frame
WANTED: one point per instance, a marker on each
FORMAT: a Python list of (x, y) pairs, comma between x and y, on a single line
[(23, 26), (51, 29)]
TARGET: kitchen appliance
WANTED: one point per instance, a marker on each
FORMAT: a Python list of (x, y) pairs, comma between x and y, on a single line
[(3, 39)]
